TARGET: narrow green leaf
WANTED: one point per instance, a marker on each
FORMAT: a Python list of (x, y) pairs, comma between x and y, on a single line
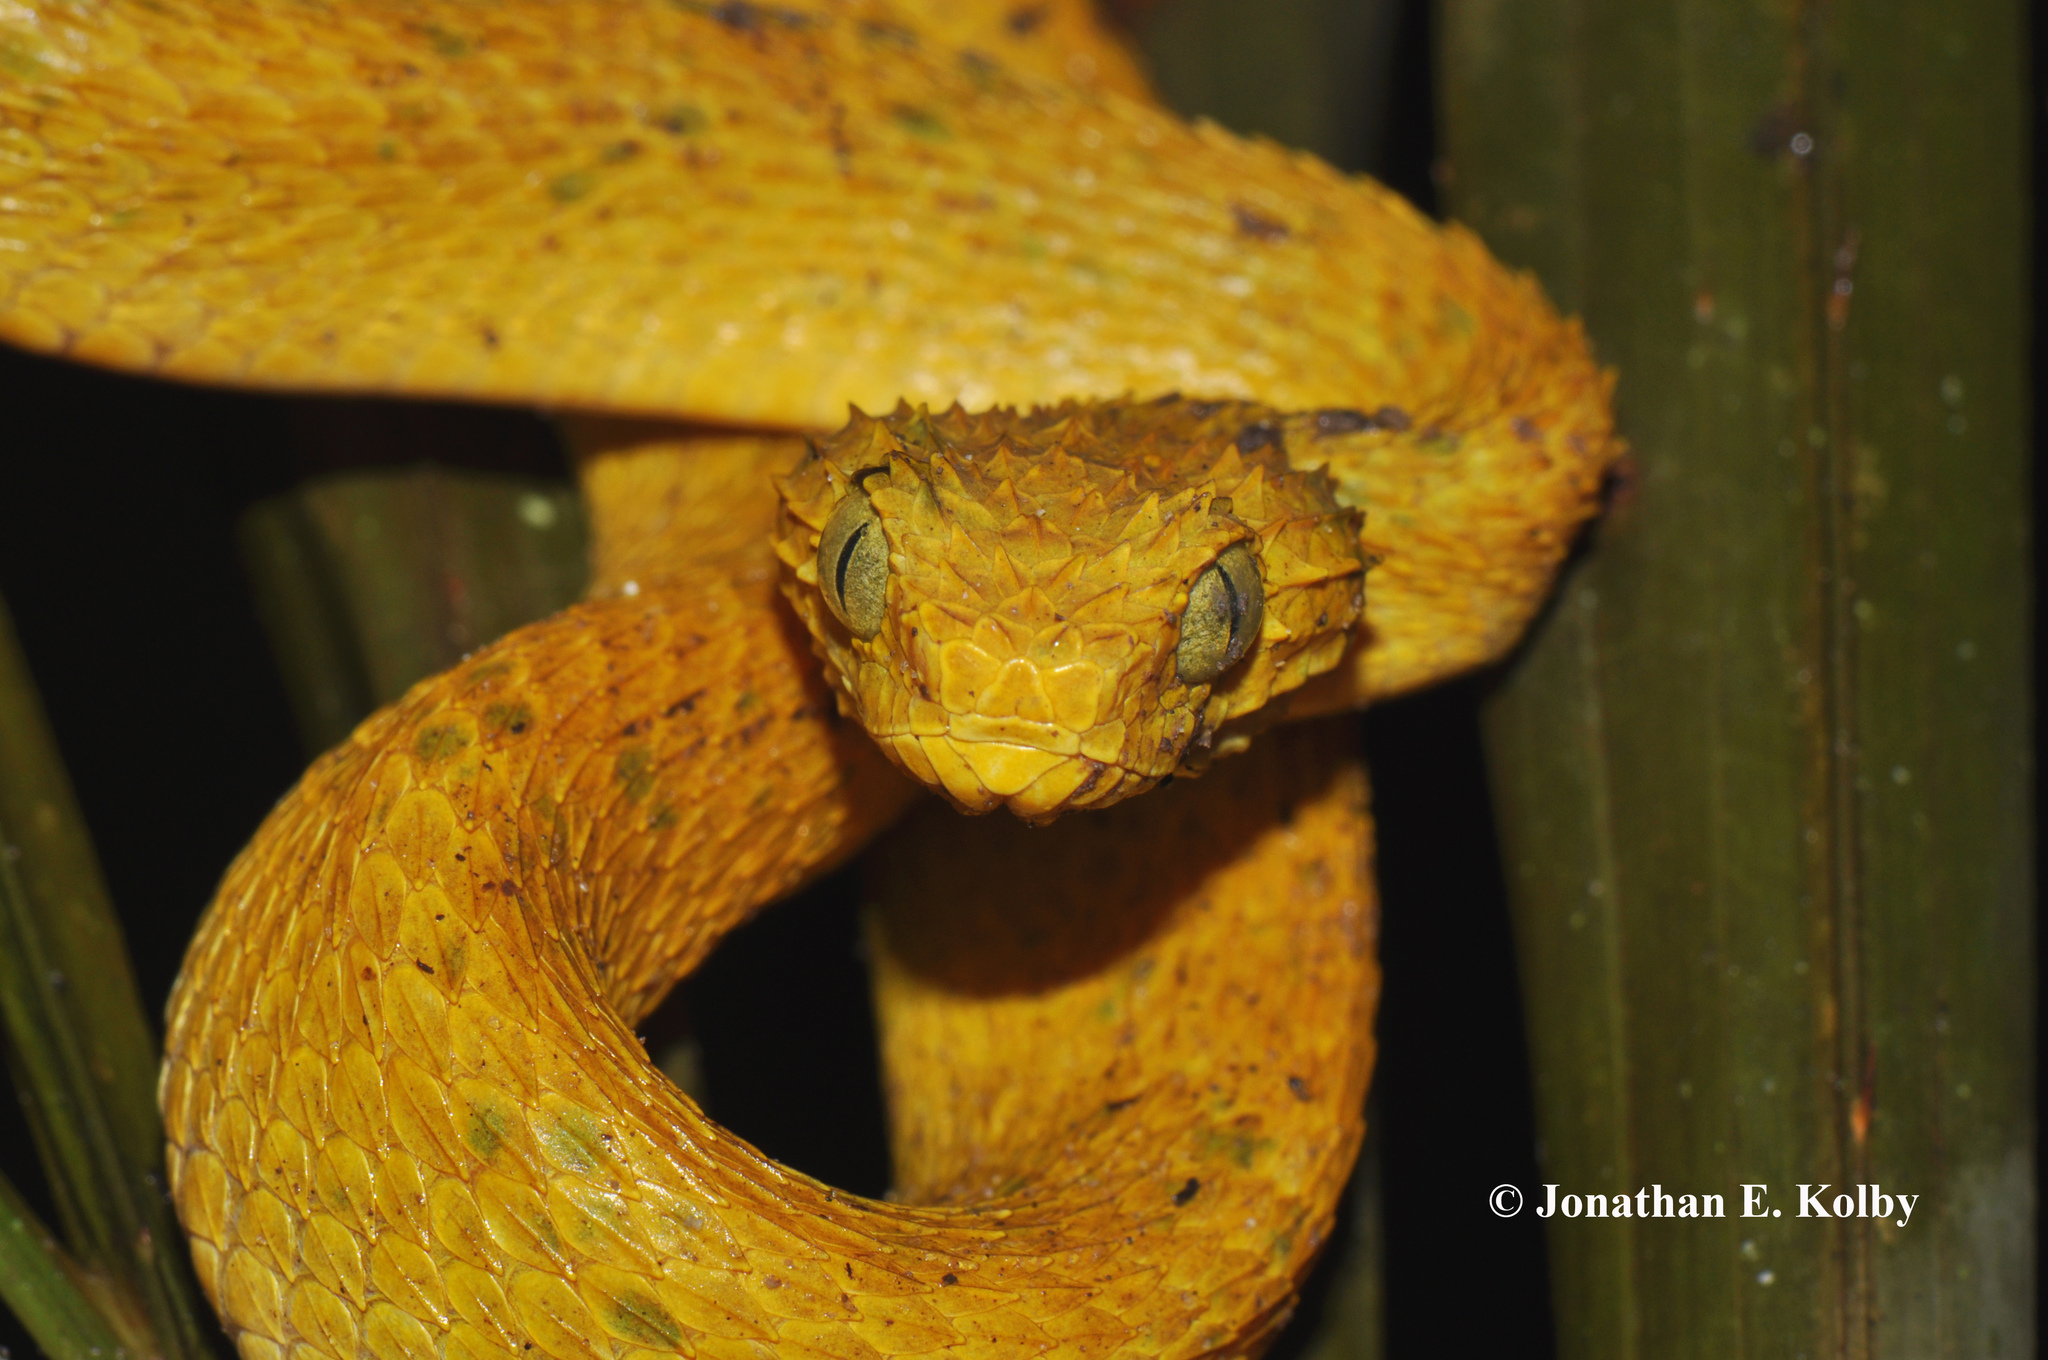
[(81, 1054), (1762, 776), (40, 1287)]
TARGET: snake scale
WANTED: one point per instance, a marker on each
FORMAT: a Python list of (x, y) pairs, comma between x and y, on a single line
[(406, 1109)]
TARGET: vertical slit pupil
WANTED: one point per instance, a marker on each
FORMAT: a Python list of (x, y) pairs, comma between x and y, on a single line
[(853, 542)]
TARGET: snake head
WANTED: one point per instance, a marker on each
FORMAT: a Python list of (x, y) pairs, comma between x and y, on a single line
[(1058, 608)]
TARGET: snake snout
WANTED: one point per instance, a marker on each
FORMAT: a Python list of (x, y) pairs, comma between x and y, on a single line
[(1040, 721)]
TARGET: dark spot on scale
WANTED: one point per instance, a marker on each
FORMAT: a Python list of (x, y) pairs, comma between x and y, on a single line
[(949, 1278), (743, 17), (1257, 225), (424, 966), (980, 69), (771, 1282), (1096, 769), (1299, 1086), (490, 335), (1187, 1192), (920, 122), (369, 973), (1391, 418), (1341, 420), (1260, 435), (681, 120), (1123, 1104), (895, 35), (1025, 20), (567, 188), (508, 886), (1525, 430)]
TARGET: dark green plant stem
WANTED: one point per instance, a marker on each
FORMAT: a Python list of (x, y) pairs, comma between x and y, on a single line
[(1312, 74), (371, 581), (39, 1286), (1763, 774), (304, 610), (1354, 1319), (80, 1052)]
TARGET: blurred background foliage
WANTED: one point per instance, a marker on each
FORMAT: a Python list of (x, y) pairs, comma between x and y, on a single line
[(208, 584)]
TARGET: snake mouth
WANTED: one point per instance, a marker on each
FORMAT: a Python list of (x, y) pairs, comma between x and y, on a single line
[(1036, 779)]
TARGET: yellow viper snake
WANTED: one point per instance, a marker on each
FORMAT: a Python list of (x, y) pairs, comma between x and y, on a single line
[(406, 1109)]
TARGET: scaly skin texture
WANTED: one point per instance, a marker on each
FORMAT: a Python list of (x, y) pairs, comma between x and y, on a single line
[(665, 502), (651, 208), (1240, 942), (755, 215), (407, 1113), (408, 1116), (1040, 564), (1231, 990)]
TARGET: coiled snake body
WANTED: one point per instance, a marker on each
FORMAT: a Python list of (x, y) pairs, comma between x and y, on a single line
[(406, 1109)]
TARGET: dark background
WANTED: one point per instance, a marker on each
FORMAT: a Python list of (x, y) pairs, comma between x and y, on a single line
[(118, 499)]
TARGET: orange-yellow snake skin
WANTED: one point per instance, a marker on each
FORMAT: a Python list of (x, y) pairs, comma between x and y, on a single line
[(1126, 1055)]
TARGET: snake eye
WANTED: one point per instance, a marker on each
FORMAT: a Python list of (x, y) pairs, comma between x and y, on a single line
[(1226, 605), (853, 565)]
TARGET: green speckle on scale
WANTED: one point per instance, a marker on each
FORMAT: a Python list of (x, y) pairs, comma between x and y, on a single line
[(572, 186)]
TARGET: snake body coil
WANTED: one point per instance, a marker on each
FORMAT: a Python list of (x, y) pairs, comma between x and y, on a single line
[(407, 1113), (427, 1128)]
